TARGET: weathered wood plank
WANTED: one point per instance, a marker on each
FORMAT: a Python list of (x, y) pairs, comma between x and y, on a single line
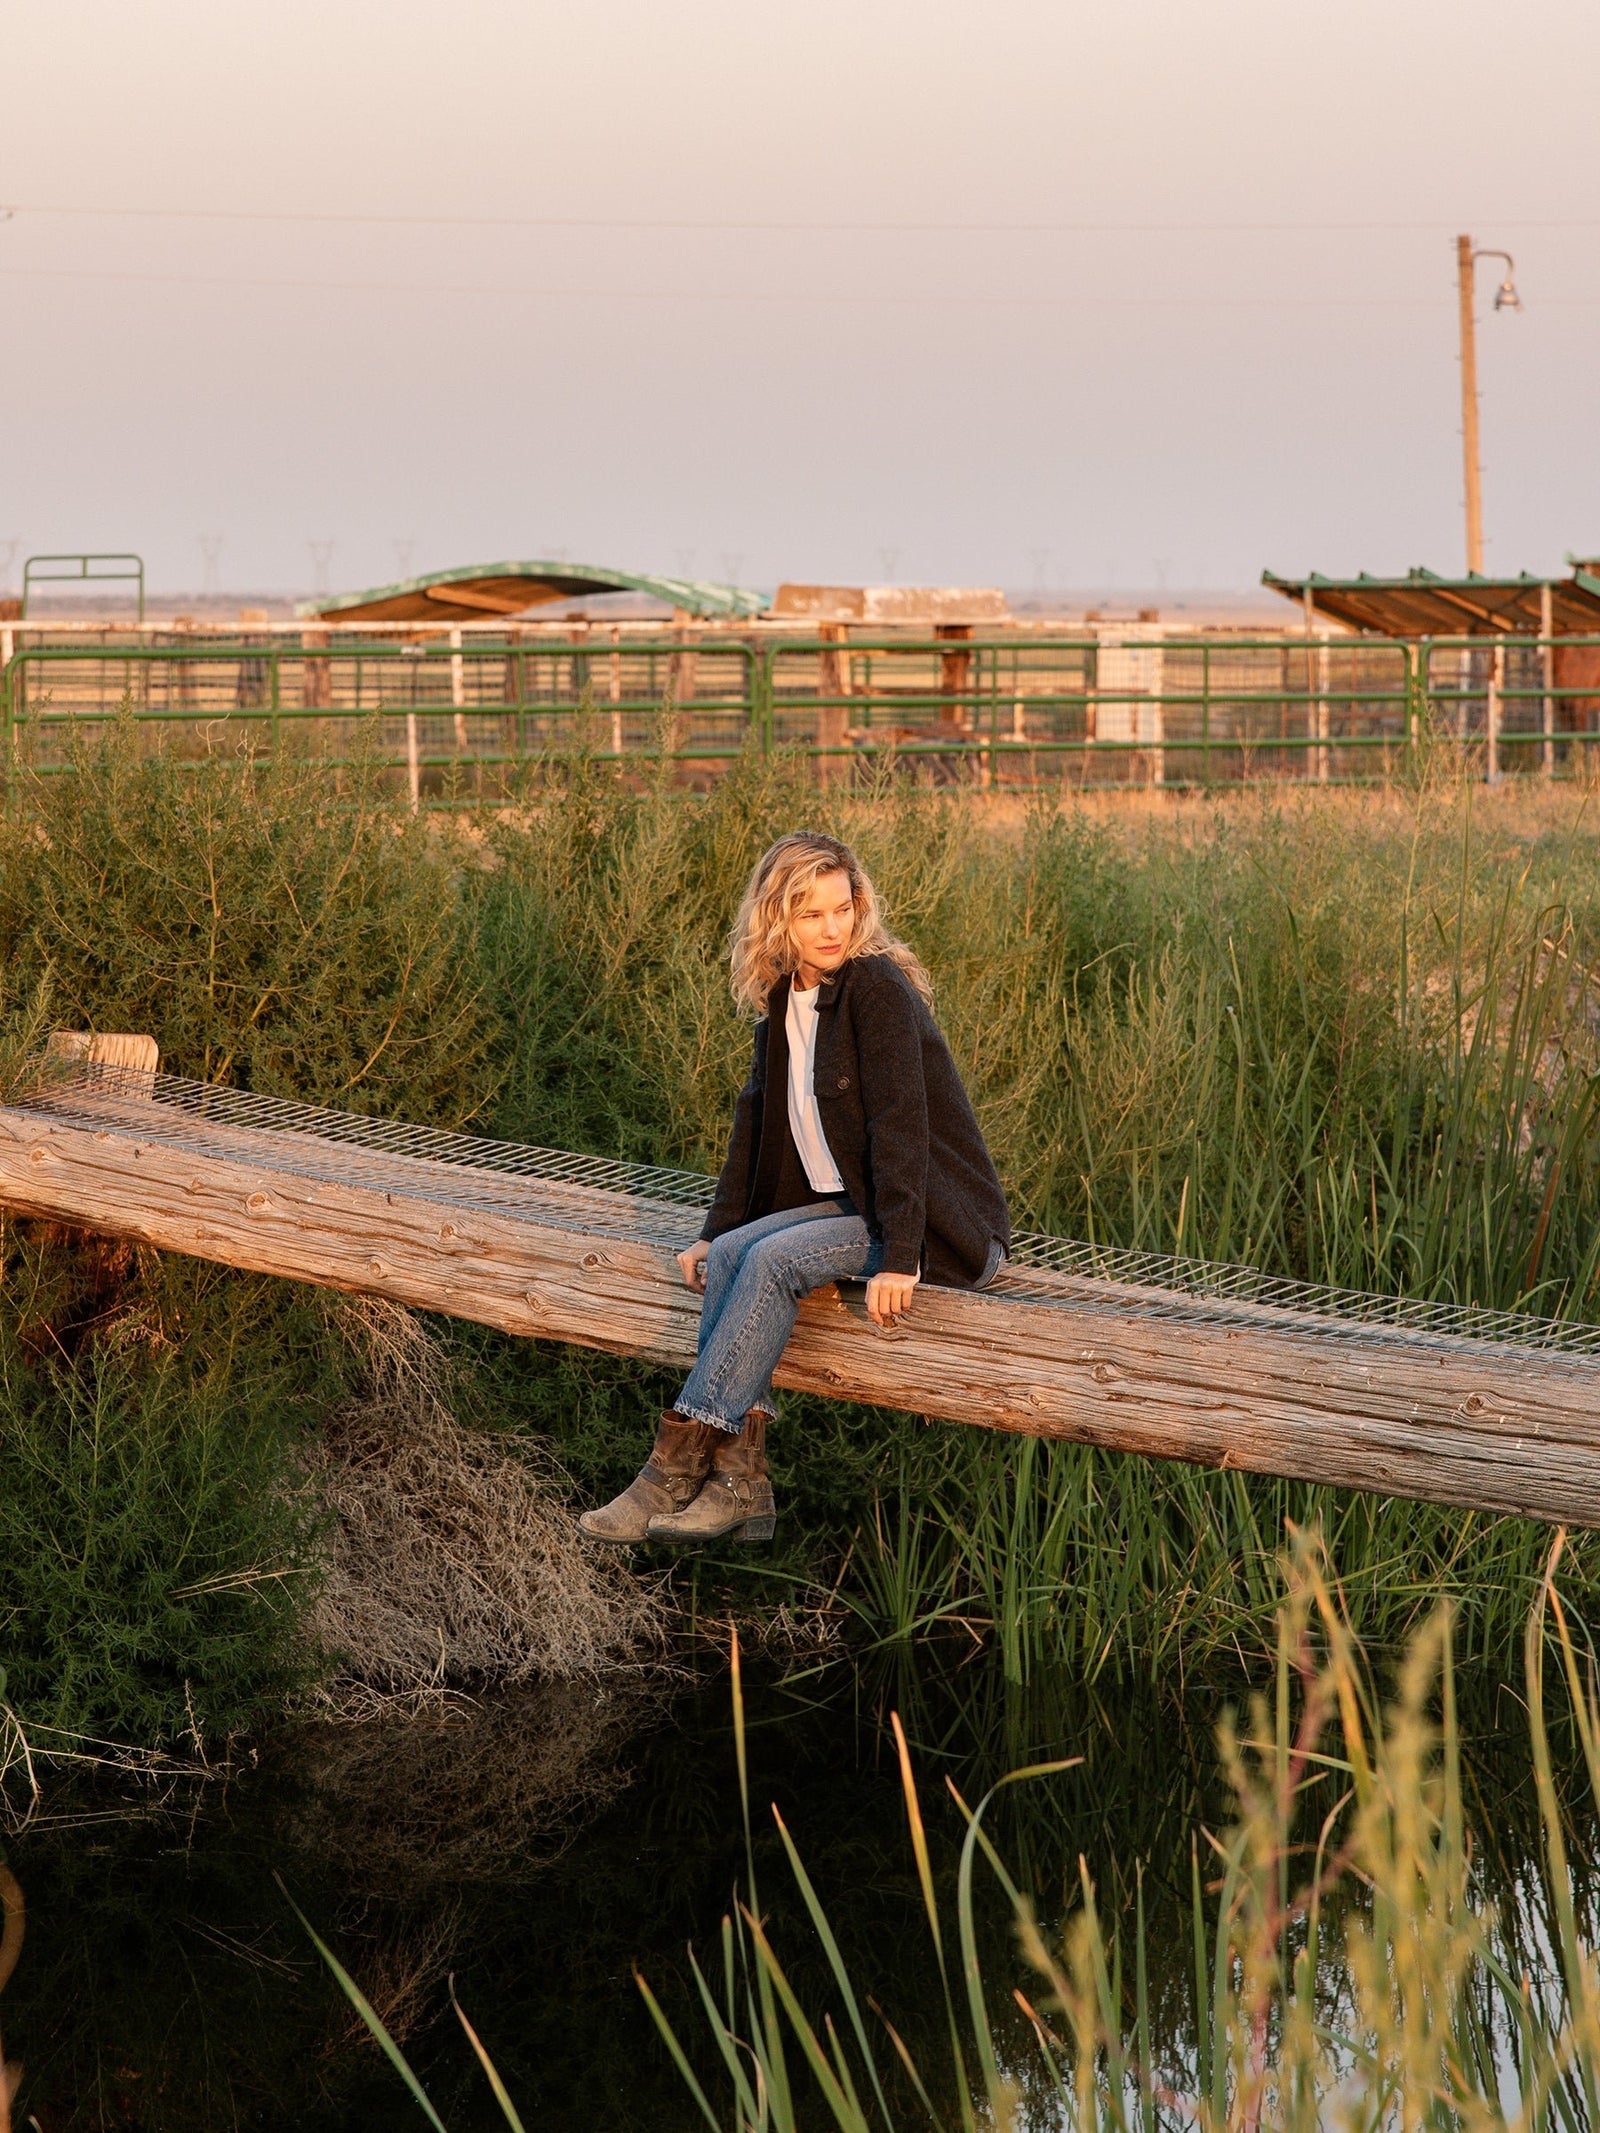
[(1468, 1423)]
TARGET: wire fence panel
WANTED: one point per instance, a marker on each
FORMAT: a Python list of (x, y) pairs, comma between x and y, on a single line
[(444, 716), (459, 715), (553, 1186)]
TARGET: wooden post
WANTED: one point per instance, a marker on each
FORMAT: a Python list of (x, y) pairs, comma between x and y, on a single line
[(316, 676), (1469, 403), (316, 679), (683, 677), (616, 691), (1547, 668), (955, 678), (458, 690), (1317, 720), (137, 1058), (1466, 664), (1308, 610), (833, 719), (8, 711), (1158, 731), (513, 690), (1491, 713), (413, 763)]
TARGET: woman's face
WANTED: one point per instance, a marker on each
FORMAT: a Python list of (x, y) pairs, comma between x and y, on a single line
[(822, 925)]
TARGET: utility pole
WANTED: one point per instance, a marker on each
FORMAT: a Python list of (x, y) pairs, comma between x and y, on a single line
[(1469, 405), (1505, 299)]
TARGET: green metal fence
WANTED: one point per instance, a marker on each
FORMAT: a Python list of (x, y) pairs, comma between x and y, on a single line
[(456, 719), (96, 568)]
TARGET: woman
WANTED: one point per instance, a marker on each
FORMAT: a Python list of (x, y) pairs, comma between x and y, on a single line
[(854, 1152)]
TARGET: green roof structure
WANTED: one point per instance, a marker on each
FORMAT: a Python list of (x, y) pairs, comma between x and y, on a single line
[(481, 591), (1424, 604)]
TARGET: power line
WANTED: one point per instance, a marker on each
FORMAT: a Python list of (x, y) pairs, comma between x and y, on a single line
[(811, 298), (1334, 300), (779, 224)]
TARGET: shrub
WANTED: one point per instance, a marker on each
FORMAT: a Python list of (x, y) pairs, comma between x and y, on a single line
[(269, 931), (158, 1551)]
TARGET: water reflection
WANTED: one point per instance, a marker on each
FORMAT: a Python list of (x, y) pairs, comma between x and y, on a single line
[(540, 1848)]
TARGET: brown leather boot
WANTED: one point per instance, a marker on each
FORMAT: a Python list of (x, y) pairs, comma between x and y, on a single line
[(736, 1502), (670, 1478)]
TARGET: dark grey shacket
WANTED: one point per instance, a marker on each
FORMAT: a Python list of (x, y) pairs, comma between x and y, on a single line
[(899, 1125)]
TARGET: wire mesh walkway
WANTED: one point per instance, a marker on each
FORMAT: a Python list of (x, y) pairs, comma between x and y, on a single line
[(607, 1198)]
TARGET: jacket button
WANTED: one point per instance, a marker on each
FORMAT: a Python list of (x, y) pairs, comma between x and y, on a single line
[(844, 1081)]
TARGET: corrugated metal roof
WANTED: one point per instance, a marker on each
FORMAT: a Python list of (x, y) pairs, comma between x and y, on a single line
[(1425, 604), (481, 590)]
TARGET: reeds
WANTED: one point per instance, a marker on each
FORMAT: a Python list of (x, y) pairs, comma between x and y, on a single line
[(1345, 1965)]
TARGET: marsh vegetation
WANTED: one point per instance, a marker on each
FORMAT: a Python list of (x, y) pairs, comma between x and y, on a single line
[(1351, 1038)]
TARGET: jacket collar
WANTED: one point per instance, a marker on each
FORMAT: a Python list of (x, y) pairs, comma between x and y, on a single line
[(828, 992)]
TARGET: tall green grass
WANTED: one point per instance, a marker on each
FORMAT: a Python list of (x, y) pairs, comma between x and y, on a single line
[(1350, 1038)]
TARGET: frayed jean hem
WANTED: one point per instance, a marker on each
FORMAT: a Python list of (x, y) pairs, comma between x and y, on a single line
[(701, 1414)]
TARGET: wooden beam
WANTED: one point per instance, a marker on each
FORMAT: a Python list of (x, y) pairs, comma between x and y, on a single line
[(1477, 1424), (537, 595)]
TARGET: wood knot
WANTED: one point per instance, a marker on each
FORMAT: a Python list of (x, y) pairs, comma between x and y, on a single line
[(37, 1155), (534, 1302), (1105, 1373), (1474, 1404), (256, 1199), (376, 1266), (449, 1230), (594, 1259)]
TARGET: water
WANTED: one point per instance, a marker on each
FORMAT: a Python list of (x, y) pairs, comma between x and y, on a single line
[(538, 1853)]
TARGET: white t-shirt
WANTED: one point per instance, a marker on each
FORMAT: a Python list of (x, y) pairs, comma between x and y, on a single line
[(811, 1143)]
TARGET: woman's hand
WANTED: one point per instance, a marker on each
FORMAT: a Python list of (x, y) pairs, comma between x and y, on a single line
[(693, 1263), (888, 1296)]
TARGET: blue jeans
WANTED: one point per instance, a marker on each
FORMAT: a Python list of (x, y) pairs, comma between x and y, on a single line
[(755, 1278)]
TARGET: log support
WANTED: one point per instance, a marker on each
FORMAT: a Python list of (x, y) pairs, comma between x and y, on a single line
[(1480, 1425)]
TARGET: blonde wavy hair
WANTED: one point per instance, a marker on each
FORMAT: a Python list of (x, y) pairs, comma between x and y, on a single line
[(762, 950)]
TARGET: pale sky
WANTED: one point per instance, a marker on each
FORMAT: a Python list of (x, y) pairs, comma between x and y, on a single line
[(1160, 291)]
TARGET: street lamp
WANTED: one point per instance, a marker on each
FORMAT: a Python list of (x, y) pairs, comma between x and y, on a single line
[(1505, 299)]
